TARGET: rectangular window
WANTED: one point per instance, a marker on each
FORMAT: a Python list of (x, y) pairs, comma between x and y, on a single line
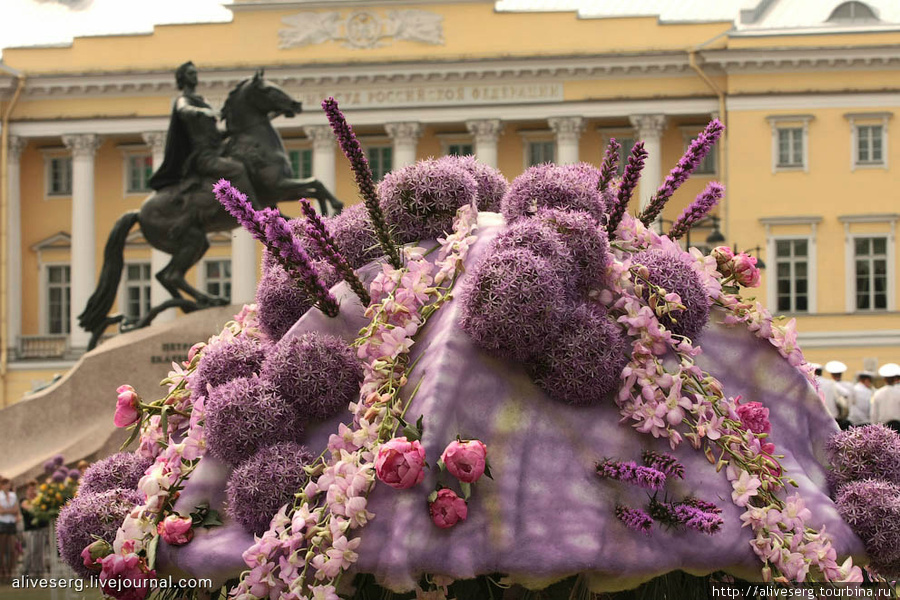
[(870, 145), (460, 150), (59, 296), (792, 275), (59, 177), (626, 144), (137, 290), (541, 152), (218, 278), (140, 169), (870, 259), (301, 163), (790, 147), (381, 161)]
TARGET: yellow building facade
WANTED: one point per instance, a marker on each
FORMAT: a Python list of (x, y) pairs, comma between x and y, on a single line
[(808, 90)]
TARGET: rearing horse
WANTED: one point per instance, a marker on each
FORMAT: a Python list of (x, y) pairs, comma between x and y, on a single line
[(177, 218)]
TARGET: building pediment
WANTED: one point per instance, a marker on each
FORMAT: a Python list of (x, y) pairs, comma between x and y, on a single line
[(57, 241)]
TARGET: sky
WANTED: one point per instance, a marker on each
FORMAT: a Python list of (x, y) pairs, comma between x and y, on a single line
[(31, 22)]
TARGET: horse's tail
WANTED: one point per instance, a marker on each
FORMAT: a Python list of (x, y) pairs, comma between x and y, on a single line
[(104, 296)]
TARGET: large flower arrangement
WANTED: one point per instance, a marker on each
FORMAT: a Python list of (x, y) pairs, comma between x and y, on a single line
[(566, 289)]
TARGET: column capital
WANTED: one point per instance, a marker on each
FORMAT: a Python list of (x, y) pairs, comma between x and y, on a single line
[(16, 146), (566, 128), (486, 131), (83, 144), (648, 126), (407, 132), (156, 140), (322, 136)]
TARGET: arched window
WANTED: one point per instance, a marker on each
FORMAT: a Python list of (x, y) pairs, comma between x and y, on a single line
[(853, 11)]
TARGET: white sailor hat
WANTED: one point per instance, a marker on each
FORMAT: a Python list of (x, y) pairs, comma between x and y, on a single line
[(889, 370), (835, 366), (868, 374), (815, 366)]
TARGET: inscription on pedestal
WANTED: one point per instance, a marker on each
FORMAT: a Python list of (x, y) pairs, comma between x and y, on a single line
[(171, 352)]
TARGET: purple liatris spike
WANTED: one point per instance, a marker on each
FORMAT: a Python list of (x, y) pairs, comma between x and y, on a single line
[(698, 209), (701, 504), (610, 164), (663, 461), (693, 518), (359, 163), (290, 253), (268, 227), (695, 154), (630, 177), (629, 472), (316, 229), (634, 519)]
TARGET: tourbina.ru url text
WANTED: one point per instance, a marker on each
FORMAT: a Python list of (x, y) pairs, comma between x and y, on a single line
[(752, 591)]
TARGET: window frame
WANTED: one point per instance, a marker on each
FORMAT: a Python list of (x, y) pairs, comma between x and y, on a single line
[(850, 237), (203, 280), (873, 119), (810, 268), (50, 155), (771, 274), (780, 123), (537, 136), (44, 297), (301, 147), (124, 285), (854, 277), (378, 141), (456, 139)]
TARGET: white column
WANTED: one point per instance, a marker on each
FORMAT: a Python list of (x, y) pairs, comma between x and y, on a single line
[(323, 155), (649, 129), (406, 137), (158, 259), (82, 259), (14, 244), (567, 130), (486, 132), (243, 267)]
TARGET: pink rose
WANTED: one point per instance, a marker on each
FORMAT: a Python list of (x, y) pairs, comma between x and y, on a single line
[(465, 460), (94, 552), (745, 271), (128, 406), (176, 530), (723, 256), (400, 463), (755, 417), (448, 509)]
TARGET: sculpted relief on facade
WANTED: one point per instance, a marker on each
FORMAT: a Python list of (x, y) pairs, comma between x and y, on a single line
[(362, 29)]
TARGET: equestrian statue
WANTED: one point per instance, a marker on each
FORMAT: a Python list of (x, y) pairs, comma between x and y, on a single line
[(182, 209)]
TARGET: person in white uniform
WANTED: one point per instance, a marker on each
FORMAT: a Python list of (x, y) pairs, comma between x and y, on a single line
[(859, 401), (885, 405), (829, 391), (844, 390)]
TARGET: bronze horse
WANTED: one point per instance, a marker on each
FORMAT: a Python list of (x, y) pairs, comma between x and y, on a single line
[(177, 218)]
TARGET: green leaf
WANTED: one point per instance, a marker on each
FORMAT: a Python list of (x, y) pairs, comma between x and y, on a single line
[(419, 425), (432, 496), (466, 489), (411, 434), (441, 465), (487, 470), (211, 519), (135, 431), (151, 552), (164, 422)]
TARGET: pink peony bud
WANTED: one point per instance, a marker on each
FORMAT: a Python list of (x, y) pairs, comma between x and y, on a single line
[(176, 530), (755, 417), (465, 460), (400, 463), (745, 271), (448, 509), (723, 256), (131, 567), (94, 552), (128, 409), (194, 350)]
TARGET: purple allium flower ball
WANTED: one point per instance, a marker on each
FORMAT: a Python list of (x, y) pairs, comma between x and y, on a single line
[(59, 476), (570, 187), (222, 362), (511, 302), (872, 509), (89, 515), (354, 235), (492, 185), (264, 483), (587, 242), (121, 470), (318, 375), (420, 200), (581, 366), (870, 452), (280, 302), (539, 238), (58, 460), (672, 272), (244, 415), (49, 467)]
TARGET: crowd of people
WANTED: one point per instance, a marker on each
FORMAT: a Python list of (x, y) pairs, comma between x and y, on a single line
[(860, 403), (25, 544)]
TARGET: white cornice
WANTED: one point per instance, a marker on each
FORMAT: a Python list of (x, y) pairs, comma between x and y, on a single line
[(834, 339), (332, 4), (803, 59), (813, 101)]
